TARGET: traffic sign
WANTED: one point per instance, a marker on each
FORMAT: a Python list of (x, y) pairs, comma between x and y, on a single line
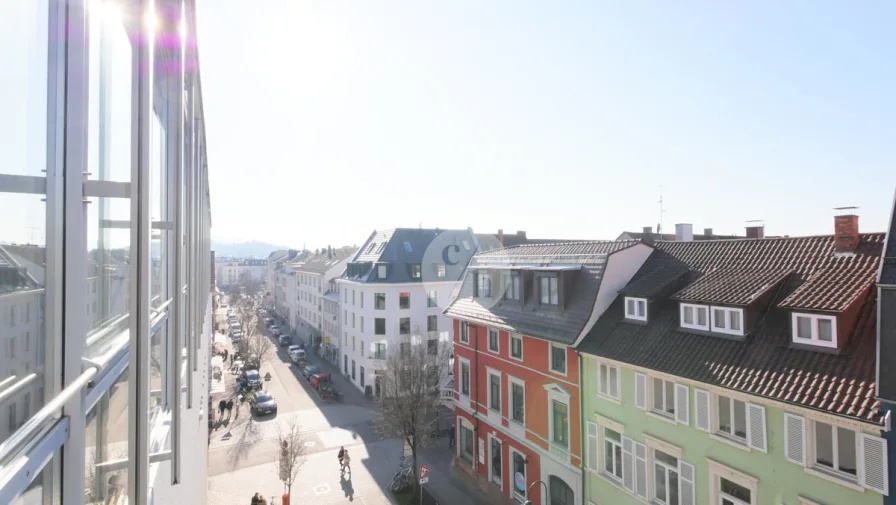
[(424, 480), (424, 471)]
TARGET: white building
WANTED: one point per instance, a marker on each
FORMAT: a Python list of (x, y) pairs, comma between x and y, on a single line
[(229, 273), (397, 284), (332, 323), (313, 278)]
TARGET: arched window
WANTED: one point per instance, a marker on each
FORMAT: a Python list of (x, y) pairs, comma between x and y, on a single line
[(560, 492)]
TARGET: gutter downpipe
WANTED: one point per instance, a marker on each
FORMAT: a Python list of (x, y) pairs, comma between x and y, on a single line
[(583, 430), (476, 407)]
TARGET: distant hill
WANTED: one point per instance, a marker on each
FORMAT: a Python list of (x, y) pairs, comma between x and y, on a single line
[(252, 248)]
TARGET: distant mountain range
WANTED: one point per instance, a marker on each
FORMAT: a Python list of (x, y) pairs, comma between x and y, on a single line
[(252, 248)]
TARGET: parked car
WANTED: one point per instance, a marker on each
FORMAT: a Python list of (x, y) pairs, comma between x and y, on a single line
[(264, 403), (275, 330), (298, 354), (284, 340), (252, 363), (250, 379), (318, 379), (310, 370)]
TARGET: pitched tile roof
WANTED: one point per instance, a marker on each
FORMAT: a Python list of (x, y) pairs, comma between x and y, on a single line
[(736, 286), (887, 274), (764, 363), (657, 281), (638, 235), (322, 262), (530, 318)]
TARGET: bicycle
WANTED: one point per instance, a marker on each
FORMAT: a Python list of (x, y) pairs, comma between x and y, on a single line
[(402, 478)]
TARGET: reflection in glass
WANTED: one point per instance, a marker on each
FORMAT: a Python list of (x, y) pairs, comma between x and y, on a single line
[(23, 229), (34, 494), (105, 478)]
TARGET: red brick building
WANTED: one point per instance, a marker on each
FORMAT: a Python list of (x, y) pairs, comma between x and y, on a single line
[(517, 317)]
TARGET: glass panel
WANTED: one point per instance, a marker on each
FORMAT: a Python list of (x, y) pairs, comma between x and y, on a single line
[(604, 381), (825, 330), (23, 227), (673, 487), (701, 316), (740, 419), (824, 444), (689, 315), (846, 450), (630, 307), (658, 394), (518, 403), (42, 489), (561, 423), (735, 490), (107, 445), (519, 466), (719, 318), (725, 414), (670, 397), (662, 457), (659, 479), (614, 387), (735, 320), (803, 327)]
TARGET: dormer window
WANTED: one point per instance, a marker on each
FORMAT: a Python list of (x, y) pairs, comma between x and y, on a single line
[(636, 308), (440, 270), (382, 271), (695, 317), (415, 271), (512, 285), (815, 329), (483, 285), (727, 320), (550, 289)]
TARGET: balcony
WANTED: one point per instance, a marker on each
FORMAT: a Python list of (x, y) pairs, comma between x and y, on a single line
[(560, 452)]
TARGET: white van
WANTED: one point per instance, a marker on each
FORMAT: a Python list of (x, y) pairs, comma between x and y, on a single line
[(297, 354)]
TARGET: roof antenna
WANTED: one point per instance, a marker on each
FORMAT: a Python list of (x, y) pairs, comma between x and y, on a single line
[(659, 226)]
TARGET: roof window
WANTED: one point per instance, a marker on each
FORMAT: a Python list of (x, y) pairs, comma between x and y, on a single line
[(815, 329), (636, 308), (727, 320), (694, 317), (466, 245), (407, 246), (370, 249), (381, 247)]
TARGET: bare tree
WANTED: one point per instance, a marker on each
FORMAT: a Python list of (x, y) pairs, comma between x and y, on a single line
[(292, 452), (255, 343), (410, 392), (250, 284)]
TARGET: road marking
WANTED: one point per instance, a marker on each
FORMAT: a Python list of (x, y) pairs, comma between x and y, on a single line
[(310, 444), (322, 489)]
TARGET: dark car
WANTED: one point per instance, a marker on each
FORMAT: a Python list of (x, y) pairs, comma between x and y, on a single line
[(251, 379), (252, 363), (285, 340), (310, 370), (264, 404)]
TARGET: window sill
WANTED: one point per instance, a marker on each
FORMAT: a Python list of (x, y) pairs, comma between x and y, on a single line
[(610, 399), (558, 372), (731, 441), (520, 359), (661, 417), (495, 351), (828, 476)]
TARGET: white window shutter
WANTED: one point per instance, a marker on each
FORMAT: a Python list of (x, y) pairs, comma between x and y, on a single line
[(795, 439), (592, 447), (874, 455), (702, 410), (641, 391), (687, 491), (682, 405), (756, 432), (641, 470), (628, 464)]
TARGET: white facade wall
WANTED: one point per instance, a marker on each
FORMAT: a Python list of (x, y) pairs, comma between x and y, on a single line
[(228, 273), (312, 286), (358, 319)]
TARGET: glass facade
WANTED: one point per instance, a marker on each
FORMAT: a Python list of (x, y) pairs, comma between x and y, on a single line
[(105, 268)]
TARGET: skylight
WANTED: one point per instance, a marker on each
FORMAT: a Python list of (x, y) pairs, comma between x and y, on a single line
[(407, 246)]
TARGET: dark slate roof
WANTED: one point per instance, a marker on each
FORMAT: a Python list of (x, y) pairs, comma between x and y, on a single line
[(13, 275), (657, 281), (734, 286), (529, 318), (402, 248), (888, 263), (320, 263), (669, 237), (764, 363)]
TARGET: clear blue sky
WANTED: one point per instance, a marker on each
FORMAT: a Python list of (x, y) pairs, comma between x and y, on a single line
[(326, 120)]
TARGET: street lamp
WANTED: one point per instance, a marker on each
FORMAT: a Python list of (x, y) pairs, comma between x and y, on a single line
[(529, 492)]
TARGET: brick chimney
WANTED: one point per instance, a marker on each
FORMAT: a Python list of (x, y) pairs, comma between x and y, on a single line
[(647, 230), (501, 237), (846, 233), (707, 232), (756, 231)]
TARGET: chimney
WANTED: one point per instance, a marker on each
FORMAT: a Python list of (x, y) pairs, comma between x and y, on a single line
[(521, 234), (647, 230), (756, 231), (501, 237), (846, 231), (707, 232), (684, 232)]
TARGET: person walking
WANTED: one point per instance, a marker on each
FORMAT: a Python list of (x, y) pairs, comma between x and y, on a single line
[(229, 407), (451, 437), (256, 500), (341, 454), (221, 406)]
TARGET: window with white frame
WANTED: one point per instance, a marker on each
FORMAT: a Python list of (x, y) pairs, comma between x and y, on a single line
[(731, 487), (517, 400), (465, 442), (494, 391), (727, 320), (732, 493), (836, 449), (732, 417), (549, 287), (465, 378), (636, 308), (493, 341), (464, 333), (512, 286), (483, 284), (612, 454), (815, 329), (665, 478), (559, 423), (608, 380), (516, 346), (432, 298), (558, 359), (695, 317), (381, 271), (663, 397)]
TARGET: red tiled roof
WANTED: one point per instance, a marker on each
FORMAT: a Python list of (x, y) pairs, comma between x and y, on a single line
[(584, 247), (732, 286)]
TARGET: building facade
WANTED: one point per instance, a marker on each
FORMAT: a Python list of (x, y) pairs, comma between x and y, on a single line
[(397, 284), (233, 272), (518, 315), (313, 279), (105, 278), (739, 372), (885, 379)]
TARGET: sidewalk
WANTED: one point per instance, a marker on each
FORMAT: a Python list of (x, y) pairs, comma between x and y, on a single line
[(350, 393), (445, 484)]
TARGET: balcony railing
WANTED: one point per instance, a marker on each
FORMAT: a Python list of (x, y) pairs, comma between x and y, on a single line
[(447, 394), (559, 451)]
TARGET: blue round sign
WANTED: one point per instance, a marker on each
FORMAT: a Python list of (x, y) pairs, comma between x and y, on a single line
[(520, 480)]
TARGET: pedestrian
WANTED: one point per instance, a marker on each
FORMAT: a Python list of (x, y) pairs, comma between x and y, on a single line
[(229, 407), (221, 406), (451, 437), (225, 354), (256, 500), (341, 454)]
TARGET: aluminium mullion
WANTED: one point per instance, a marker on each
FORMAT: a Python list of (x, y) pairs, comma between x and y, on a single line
[(74, 244), (138, 385)]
